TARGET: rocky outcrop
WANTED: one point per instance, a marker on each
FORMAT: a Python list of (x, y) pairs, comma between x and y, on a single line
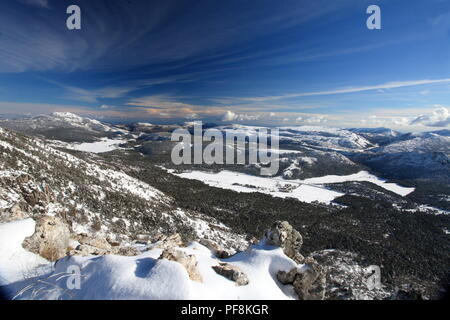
[(309, 280), (283, 235), (232, 273), (100, 246), (167, 242), (127, 251), (15, 213), (347, 277), (216, 249), (189, 262), (51, 238)]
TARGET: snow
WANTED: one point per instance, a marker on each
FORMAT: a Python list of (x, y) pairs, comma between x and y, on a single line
[(361, 176), (68, 116), (145, 276), (104, 145), (307, 190), (15, 262), (275, 187)]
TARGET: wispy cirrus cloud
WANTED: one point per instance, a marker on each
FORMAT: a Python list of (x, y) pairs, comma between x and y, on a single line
[(37, 3), (384, 86)]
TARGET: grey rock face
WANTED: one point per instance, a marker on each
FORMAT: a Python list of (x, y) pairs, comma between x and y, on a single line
[(216, 249), (309, 280), (50, 240), (283, 235), (189, 262), (232, 273)]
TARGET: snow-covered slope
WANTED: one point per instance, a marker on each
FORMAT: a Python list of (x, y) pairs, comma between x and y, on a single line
[(313, 136), (64, 126), (96, 198), (419, 142)]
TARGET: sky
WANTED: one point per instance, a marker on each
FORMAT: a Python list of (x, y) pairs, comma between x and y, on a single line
[(254, 62)]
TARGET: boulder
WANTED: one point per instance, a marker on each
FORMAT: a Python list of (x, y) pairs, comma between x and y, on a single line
[(167, 242), (100, 243), (127, 251), (216, 249), (51, 238), (308, 280), (283, 235), (15, 213), (189, 262), (88, 250), (232, 273), (88, 246)]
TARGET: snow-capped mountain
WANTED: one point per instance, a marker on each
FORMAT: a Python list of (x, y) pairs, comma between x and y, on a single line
[(378, 136), (312, 136), (63, 126)]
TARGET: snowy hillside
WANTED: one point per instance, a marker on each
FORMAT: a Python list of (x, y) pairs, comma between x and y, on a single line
[(96, 198), (63, 126), (308, 190)]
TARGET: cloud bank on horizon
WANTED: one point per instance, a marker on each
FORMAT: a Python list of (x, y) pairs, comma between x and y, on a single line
[(296, 62)]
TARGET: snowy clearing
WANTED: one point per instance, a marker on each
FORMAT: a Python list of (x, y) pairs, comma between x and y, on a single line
[(307, 190), (361, 176), (275, 187), (104, 145)]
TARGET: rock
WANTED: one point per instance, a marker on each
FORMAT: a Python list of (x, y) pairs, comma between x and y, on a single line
[(100, 246), (217, 250), (283, 235), (167, 242), (15, 213), (287, 277), (232, 273), (88, 250), (309, 280), (73, 244), (189, 262), (51, 239), (127, 251), (99, 243)]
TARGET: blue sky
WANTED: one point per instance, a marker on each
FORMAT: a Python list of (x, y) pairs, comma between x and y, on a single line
[(299, 62)]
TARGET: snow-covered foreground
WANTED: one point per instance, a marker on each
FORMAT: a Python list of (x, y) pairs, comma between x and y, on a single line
[(144, 276), (15, 262), (307, 190)]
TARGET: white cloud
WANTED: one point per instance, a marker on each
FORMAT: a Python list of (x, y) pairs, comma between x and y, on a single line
[(159, 101), (231, 116), (192, 116), (385, 86), (439, 118), (37, 3)]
